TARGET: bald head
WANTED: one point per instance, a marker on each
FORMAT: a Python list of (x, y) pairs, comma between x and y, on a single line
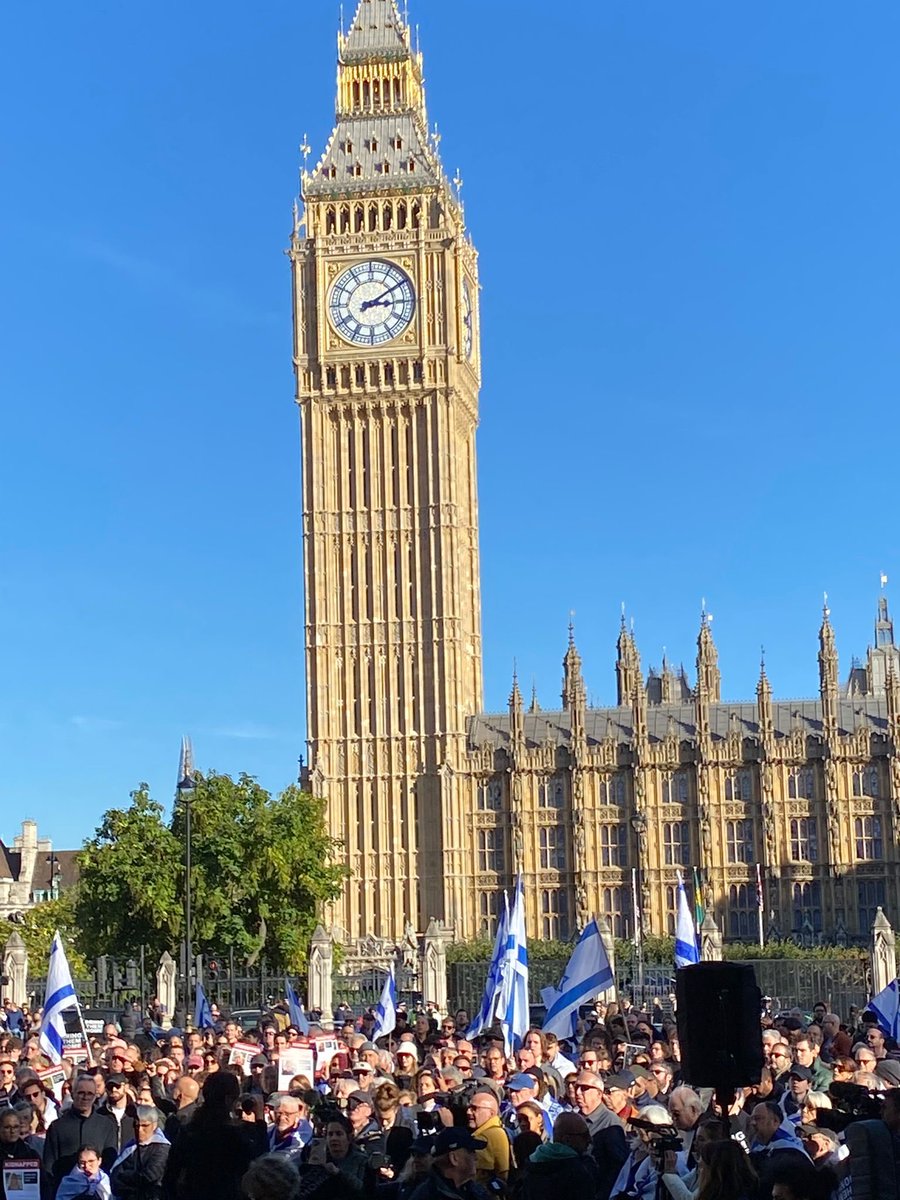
[(570, 1129), (186, 1091), (488, 1100)]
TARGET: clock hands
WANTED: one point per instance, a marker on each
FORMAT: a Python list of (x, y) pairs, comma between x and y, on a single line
[(366, 304)]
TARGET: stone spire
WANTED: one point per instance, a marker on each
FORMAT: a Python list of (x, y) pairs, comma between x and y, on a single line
[(709, 679), (574, 694), (628, 665), (516, 711), (764, 702), (828, 671)]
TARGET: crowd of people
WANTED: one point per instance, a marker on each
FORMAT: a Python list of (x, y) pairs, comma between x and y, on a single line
[(160, 1113)]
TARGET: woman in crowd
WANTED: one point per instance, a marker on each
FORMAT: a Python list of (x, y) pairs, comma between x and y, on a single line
[(87, 1178), (341, 1155), (530, 1119), (725, 1172)]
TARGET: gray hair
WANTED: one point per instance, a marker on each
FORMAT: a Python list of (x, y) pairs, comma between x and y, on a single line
[(148, 1112), (690, 1098)]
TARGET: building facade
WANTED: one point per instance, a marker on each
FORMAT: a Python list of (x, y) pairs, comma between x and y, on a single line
[(436, 804), (31, 871)]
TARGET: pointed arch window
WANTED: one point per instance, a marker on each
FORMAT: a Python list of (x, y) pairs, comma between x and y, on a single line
[(612, 790), (801, 784), (490, 796), (865, 782), (551, 793), (868, 837), (739, 786)]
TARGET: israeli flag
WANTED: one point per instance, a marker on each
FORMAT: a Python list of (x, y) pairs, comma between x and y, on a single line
[(587, 975), (203, 1018), (386, 1012), (886, 1007), (59, 996), (513, 1007), (295, 1008), (485, 1014), (686, 952)]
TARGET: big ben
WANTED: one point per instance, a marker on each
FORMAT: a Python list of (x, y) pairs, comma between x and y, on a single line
[(386, 353)]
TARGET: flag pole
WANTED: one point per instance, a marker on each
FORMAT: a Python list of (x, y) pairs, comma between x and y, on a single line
[(760, 905)]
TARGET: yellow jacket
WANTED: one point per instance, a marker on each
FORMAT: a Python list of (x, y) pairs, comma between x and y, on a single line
[(493, 1161)]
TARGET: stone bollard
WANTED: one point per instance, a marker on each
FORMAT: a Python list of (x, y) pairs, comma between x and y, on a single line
[(321, 966), (15, 969), (434, 967), (710, 940), (883, 953)]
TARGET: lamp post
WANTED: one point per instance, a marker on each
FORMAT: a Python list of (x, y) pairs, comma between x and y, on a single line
[(55, 872), (639, 825), (186, 787)]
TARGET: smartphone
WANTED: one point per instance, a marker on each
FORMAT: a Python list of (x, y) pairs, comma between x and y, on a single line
[(318, 1152)]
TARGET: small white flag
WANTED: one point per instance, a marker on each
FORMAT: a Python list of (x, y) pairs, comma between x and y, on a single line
[(58, 997)]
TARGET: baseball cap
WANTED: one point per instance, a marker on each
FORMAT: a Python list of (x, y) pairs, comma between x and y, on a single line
[(195, 1060), (359, 1097), (798, 1072), (115, 1077), (363, 1068), (456, 1139), (640, 1073), (517, 1082), (367, 1046), (259, 1060), (622, 1081)]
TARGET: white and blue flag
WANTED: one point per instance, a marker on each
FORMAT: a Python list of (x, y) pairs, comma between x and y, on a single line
[(686, 952), (296, 1011), (485, 1015), (386, 1012), (513, 1006), (59, 996), (203, 1018), (587, 975), (886, 1007)]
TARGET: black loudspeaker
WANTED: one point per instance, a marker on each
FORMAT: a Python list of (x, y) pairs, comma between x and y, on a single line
[(719, 1030)]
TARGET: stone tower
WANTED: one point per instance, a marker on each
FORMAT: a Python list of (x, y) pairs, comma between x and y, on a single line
[(386, 353)]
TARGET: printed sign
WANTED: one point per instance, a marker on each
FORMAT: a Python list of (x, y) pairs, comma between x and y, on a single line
[(241, 1053), (53, 1078), (295, 1060), (22, 1178)]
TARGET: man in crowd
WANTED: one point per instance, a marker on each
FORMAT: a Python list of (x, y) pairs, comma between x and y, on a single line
[(609, 1148), (483, 1118), (453, 1168), (806, 1054), (773, 1145), (76, 1127), (115, 1105), (291, 1131)]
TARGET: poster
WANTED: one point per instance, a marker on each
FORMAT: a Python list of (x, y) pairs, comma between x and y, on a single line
[(241, 1053), (326, 1049), (53, 1078), (295, 1060), (75, 1047), (22, 1178)]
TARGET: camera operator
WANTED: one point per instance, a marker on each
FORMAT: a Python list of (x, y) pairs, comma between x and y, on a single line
[(641, 1176), (874, 1147)]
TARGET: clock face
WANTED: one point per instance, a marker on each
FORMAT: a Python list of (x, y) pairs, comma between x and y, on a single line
[(468, 316), (371, 303)]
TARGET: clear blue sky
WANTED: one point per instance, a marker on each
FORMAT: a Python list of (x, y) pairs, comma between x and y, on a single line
[(687, 216)]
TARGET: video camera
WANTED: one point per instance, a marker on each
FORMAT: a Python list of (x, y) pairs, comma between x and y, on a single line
[(663, 1139), (850, 1102)]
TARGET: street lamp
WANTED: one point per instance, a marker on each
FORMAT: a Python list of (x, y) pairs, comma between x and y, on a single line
[(55, 872), (186, 787), (639, 825)]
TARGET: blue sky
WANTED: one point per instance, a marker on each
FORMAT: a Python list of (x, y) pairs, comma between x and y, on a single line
[(687, 220)]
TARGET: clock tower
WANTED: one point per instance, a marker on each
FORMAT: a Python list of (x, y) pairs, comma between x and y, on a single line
[(386, 354)]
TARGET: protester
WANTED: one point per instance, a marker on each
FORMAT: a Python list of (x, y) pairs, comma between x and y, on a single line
[(87, 1177), (271, 1177), (138, 1172), (452, 1175), (609, 1148), (78, 1126)]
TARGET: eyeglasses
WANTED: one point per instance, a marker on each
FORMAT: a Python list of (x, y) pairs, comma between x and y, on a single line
[(586, 1087)]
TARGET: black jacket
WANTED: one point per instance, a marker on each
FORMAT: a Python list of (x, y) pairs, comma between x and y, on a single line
[(65, 1137), (124, 1128), (609, 1147), (211, 1157), (17, 1150), (140, 1175)]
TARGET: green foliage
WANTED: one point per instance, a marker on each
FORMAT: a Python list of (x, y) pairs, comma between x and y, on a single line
[(785, 948), (480, 950), (261, 867), (41, 923)]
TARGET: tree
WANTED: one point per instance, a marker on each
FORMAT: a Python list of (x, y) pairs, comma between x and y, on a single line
[(38, 927), (128, 892), (261, 868)]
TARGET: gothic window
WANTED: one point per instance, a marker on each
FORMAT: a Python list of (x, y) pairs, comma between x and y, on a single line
[(869, 842), (360, 376), (806, 906), (348, 146), (397, 94), (743, 918), (416, 215), (490, 795), (675, 788), (613, 846), (373, 145), (804, 839), (871, 895), (551, 793), (491, 849), (376, 92), (488, 910), (801, 785), (330, 220), (865, 782), (552, 846), (331, 377), (359, 219), (345, 218), (739, 786), (387, 216), (356, 95), (671, 909), (614, 906), (555, 923), (612, 790), (373, 217), (411, 165), (401, 215), (676, 843), (739, 841)]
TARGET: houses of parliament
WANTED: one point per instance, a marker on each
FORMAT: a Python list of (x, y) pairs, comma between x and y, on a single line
[(435, 803)]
